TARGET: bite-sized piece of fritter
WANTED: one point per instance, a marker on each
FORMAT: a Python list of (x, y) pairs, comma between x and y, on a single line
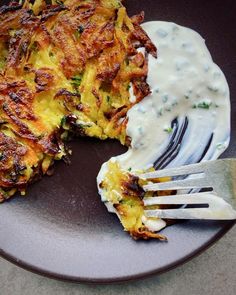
[(65, 69), (122, 193)]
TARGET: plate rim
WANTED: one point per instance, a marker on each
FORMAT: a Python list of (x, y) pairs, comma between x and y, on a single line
[(121, 279)]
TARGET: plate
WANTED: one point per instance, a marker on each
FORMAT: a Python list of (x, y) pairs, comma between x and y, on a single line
[(63, 231)]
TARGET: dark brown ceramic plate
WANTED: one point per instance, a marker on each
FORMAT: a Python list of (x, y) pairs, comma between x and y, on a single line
[(62, 230)]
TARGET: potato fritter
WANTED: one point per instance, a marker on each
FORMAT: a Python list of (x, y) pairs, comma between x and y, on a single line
[(65, 69)]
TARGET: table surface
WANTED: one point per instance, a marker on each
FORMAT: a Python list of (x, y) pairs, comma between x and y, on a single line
[(213, 272)]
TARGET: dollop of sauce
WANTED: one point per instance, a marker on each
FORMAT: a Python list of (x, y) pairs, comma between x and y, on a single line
[(185, 82)]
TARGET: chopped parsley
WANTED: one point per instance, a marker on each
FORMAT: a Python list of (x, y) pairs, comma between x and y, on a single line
[(63, 121), (76, 81), (168, 130), (108, 98), (202, 105), (129, 169)]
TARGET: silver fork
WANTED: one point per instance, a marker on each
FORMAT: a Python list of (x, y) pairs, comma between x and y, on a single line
[(217, 176)]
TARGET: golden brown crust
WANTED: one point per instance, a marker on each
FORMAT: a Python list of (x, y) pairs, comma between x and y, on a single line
[(140, 35), (10, 152), (145, 234), (64, 68)]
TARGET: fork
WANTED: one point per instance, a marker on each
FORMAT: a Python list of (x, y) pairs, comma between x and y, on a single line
[(218, 202)]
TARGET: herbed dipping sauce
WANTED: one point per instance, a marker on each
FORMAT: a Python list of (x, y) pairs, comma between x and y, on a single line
[(185, 82)]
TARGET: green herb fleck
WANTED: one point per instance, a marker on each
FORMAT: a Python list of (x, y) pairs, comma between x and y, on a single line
[(108, 98), (129, 169), (63, 121), (168, 130), (202, 105), (128, 87), (128, 202), (76, 81)]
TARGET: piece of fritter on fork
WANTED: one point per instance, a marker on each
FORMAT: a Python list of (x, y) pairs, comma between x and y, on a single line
[(65, 68)]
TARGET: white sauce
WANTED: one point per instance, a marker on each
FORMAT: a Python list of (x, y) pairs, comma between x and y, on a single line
[(184, 82)]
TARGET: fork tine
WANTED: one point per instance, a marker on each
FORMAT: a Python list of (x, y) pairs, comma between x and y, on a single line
[(178, 184), (193, 213), (197, 198), (184, 170)]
